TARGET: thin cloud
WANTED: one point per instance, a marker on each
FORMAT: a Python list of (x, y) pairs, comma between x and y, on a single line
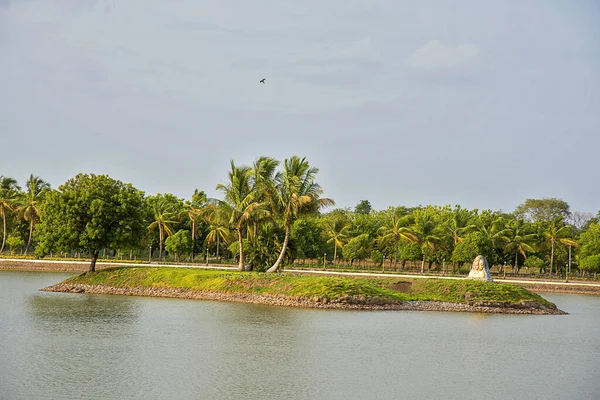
[(437, 55)]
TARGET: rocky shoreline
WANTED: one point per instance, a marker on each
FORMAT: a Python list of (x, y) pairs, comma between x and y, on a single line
[(348, 303)]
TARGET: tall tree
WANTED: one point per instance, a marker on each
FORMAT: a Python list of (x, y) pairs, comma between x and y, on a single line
[(519, 239), (546, 209), (336, 228), (363, 207), (193, 210), (557, 231), (9, 196), (164, 210), (29, 204), (425, 231), (396, 226), (88, 213), (218, 226), (240, 203), (296, 193)]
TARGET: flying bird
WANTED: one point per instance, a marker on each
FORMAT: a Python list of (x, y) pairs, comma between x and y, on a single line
[(263, 80)]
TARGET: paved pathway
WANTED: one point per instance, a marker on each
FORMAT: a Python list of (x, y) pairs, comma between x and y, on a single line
[(314, 271)]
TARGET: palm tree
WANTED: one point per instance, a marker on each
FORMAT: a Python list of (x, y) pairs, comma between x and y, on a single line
[(9, 196), (296, 193), (395, 227), (240, 203), (424, 232), (336, 229), (556, 230), (460, 224), (262, 183), (29, 207), (193, 210), (218, 230), (518, 238), (164, 215)]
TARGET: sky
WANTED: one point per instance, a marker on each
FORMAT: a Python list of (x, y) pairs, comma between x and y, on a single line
[(470, 102)]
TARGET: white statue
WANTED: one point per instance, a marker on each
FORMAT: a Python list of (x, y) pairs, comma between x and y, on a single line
[(480, 269)]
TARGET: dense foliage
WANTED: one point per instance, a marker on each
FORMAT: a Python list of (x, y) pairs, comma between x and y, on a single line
[(273, 214)]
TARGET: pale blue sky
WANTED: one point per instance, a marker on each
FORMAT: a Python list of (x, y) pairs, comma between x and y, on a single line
[(480, 103)]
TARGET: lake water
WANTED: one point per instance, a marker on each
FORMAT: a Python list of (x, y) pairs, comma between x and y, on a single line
[(77, 346)]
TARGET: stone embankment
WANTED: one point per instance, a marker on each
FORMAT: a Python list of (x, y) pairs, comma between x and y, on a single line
[(347, 303)]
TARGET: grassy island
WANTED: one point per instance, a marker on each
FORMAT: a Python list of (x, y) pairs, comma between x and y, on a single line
[(311, 291)]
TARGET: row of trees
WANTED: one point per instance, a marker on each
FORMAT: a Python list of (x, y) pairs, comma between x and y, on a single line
[(271, 214)]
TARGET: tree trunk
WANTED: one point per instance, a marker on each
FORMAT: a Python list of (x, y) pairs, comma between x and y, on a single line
[(218, 235), (334, 253), (193, 239), (241, 264), (4, 231), (396, 255), (516, 260), (551, 255), (94, 257), (423, 264), (30, 236), (160, 240), (277, 266)]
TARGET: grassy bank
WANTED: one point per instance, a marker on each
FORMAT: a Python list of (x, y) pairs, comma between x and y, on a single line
[(321, 289)]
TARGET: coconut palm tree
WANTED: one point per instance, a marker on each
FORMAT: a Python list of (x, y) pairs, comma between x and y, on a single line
[(29, 204), (218, 229), (336, 228), (296, 193), (396, 226), (424, 231), (164, 215), (240, 203), (460, 224), (9, 196), (556, 231), (193, 210), (518, 238)]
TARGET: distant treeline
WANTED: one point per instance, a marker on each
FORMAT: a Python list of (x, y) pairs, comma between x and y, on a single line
[(271, 214)]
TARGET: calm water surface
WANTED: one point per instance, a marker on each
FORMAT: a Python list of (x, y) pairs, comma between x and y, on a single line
[(77, 346)]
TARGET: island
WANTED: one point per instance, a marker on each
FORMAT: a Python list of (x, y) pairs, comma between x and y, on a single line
[(311, 291)]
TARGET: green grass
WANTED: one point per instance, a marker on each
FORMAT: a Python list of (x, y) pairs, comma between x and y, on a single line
[(311, 286)]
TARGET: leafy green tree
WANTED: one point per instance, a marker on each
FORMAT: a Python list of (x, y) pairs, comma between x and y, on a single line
[(240, 203), (179, 243), (90, 212), (9, 196), (306, 234), (546, 209), (590, 241), (165, 209), (590, 263), (396, 227), (358, 248), (534, 262), (13, 242), (30, 201), (363, 207), (297, 193), (410, 251), (470, 247)]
